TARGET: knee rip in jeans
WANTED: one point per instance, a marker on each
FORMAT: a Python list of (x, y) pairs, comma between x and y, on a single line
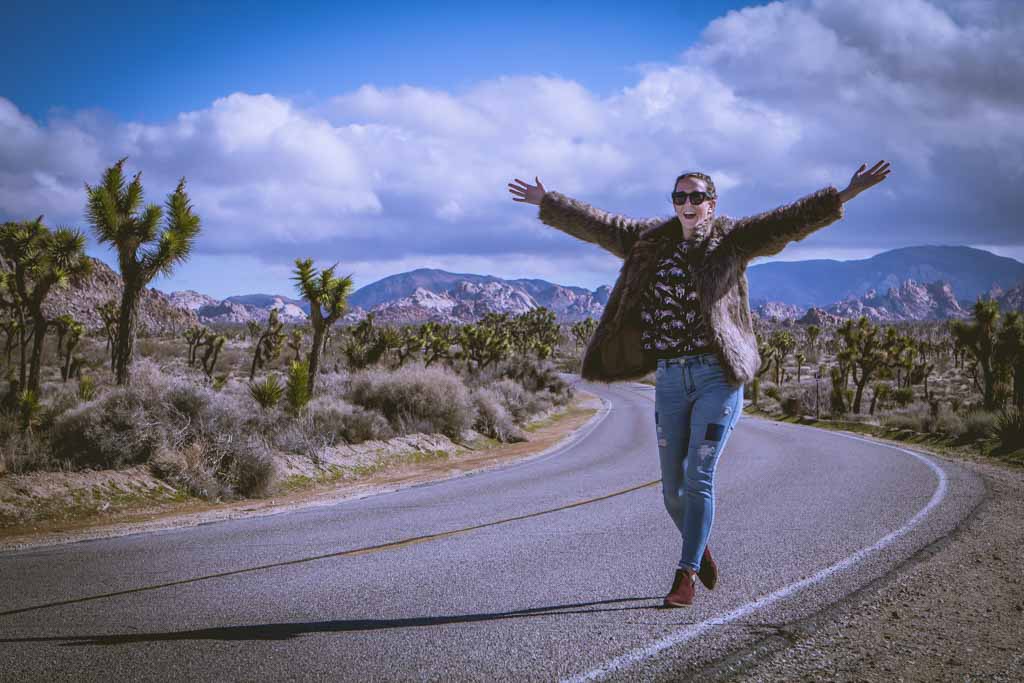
[(662, 441)]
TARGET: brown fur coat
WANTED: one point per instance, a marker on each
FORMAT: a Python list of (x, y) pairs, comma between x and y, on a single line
[(614, 353)]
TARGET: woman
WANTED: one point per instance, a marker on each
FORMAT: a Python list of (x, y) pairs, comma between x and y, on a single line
[(680, 308)]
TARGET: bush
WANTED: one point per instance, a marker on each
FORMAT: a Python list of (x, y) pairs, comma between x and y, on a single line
[(902, 396), (111, 432), (978, 424), (416, 399), (493, 419), (1010, 428), (23, 452), (266, 393), (343, 422)]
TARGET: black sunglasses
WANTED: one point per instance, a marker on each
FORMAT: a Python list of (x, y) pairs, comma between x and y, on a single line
[(696, 198)]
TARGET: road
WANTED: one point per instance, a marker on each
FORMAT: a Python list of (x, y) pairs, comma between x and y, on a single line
[(549, 569)]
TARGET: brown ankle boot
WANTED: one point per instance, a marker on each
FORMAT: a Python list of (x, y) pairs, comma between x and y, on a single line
[(708, 573), (682, 591)]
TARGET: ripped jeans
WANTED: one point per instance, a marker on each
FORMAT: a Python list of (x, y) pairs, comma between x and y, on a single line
[(695, 410)]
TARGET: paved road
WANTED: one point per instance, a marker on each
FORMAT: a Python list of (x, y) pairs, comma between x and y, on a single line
[(556, 572)]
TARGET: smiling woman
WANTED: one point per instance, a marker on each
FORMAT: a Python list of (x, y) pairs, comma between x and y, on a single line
[(680, 308)]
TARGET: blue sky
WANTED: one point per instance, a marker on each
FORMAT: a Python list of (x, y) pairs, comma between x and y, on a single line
[(382, 136)]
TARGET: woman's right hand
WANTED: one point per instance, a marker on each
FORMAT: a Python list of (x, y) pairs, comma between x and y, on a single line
[(531, 194)]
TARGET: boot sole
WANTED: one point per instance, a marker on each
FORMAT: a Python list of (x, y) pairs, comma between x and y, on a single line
[(666, 603)]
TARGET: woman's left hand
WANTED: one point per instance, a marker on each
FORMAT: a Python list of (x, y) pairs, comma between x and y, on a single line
[(863, 180)]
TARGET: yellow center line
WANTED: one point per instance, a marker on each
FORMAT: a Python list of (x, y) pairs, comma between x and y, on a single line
[(394, 545)]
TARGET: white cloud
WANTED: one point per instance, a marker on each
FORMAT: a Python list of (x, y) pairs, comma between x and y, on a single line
[(773, 101)]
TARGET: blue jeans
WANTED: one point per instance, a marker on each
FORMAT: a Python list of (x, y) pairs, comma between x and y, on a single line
[(695, 410)]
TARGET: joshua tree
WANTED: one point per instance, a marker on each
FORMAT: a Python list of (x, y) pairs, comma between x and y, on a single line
[(979, 339), (268, 343), (483, 344), (812, 336), (69, 334), (327, 296), (437, 341), (143, 249), (295, 342), (108, 313), (583, 330), (800, 359), (38, 260), (193, 337), (212, 344), (1009, 353), (867, 354)]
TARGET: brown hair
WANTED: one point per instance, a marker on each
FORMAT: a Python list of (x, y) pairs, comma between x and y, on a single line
[(697, 174)]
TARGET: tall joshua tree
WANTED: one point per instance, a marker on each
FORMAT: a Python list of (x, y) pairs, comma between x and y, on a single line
[(143, 249), (328, 298)]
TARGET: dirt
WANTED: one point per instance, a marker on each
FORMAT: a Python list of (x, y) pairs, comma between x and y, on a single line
[(49, 508), (954, 613)]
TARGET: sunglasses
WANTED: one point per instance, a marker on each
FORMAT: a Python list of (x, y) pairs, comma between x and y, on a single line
[(696, 198)]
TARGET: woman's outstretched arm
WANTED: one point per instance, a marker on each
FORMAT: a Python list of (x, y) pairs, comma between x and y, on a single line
[(768, 233), (611, 231)]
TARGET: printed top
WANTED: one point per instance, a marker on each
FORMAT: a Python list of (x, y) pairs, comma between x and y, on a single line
[(672, 322)]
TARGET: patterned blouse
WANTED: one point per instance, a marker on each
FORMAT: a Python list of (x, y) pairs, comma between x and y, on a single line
[(673, 324)]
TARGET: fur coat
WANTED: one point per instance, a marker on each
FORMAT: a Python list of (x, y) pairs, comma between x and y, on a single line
[(614, 352)]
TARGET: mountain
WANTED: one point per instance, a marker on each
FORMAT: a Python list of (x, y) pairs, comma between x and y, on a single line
[(821, 282), (778, 290), (487, 292), (158, 313)]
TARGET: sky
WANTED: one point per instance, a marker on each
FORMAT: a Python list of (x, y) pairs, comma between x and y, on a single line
[(382, 136)]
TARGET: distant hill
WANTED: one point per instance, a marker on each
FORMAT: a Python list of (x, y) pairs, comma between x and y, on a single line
[(913, 283), (821, 282)]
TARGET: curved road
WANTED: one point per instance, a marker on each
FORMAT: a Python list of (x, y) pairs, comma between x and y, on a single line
[(550, 569)]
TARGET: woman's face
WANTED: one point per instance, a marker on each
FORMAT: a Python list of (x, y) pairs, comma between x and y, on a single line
[(690, 215)]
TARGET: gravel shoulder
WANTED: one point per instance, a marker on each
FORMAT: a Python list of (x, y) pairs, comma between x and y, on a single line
[(953, 611), (52, 508)]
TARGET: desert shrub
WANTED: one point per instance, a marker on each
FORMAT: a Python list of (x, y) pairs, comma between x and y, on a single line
[(366, 425), (978, 424), (86, 388), (108, 433), (266, 393), (249, 468), (519, 402), (945, 421), (913, 420), (330, 421), (772, 391), (533, 375), (24, 452), (188, 469), (902, 396), (493, 419), (1010, 428), (416, 399), (186, 399)]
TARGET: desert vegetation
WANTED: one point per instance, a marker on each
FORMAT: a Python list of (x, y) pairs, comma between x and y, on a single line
[(958, 382), (210, 410)]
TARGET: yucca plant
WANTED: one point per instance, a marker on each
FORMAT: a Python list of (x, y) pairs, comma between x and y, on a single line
[(86, 388), (266, 393), (1010, 428), (29, 409), (297, 391)]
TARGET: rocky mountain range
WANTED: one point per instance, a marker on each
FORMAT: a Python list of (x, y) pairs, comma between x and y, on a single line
[(158, 313), (435, 295)]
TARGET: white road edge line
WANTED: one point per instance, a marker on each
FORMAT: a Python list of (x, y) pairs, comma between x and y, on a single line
[(695, 630)]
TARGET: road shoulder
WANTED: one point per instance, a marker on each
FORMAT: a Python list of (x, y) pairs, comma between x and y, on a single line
[(953, 611), (162, 508)]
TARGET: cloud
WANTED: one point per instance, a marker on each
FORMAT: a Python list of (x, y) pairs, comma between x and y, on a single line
[(773, 101)]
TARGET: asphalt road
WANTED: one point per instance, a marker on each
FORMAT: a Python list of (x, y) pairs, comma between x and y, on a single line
[(550, 569)]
